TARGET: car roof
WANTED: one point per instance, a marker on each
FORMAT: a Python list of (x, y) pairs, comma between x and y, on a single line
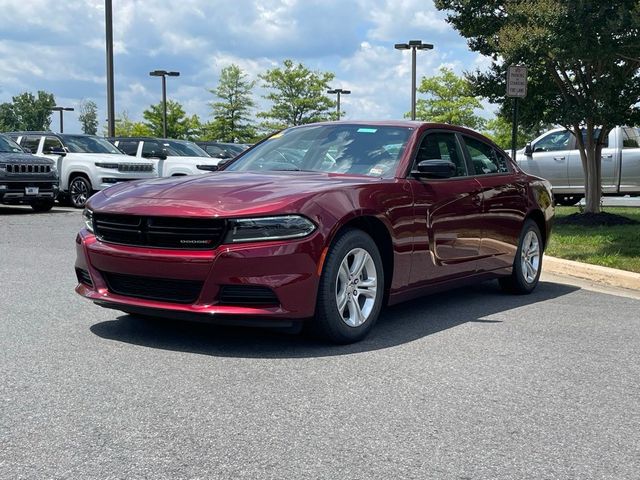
[(55, 134)]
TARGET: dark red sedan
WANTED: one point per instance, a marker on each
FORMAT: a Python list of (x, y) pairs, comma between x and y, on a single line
[(322, 223)]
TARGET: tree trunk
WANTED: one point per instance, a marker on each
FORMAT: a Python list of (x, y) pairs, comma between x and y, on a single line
[(590, 149)]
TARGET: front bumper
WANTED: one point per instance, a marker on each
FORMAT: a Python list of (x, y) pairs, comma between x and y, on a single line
[(16, 191), (107, 177), (290, 269)]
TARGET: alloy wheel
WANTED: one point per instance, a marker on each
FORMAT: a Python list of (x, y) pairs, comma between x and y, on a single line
[(530, 256), (356, 287), (79, 192)]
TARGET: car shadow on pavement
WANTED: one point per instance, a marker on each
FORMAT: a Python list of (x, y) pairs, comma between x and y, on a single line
[(396, 326)]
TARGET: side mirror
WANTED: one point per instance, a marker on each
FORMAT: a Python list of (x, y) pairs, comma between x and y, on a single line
[(435, 168), (55, 151), (528, 149)]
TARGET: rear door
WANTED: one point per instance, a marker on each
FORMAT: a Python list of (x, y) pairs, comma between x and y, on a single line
[(630, 167), (448, 227), (503, 192)]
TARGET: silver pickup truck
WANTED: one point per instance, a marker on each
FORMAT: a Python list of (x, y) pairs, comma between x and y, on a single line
[(554, 156)]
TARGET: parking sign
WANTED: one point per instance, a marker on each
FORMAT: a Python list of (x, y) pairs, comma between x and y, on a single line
[(517, 81)]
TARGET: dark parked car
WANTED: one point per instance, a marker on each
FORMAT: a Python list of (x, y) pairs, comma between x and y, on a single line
[(324, 223), (25, 178), (223, 150)]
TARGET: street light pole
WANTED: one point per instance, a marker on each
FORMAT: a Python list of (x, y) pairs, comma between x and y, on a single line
[(338, 92), (111, 109), (413, 45), (62, 109), (164, 74)]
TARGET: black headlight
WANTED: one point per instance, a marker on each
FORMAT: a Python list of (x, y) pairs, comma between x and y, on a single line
[(87, 215), (268, 228)]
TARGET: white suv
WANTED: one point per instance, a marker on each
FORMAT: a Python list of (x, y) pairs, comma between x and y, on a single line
[(86, 163), (172, 157)]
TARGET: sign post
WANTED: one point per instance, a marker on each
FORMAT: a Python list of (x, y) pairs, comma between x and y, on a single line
[(516, 88)]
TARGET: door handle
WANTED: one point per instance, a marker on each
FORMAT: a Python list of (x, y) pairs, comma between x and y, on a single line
[(609, 155), (559, 159)]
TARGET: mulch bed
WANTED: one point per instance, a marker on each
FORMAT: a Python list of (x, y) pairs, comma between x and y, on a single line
[(602, 219)]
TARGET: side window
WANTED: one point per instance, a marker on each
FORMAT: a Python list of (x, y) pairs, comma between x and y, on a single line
[(484, 158), (52, 145), (214, 151), (442, 146), (630, 137), (150, 148), (129, 147), (31, 142), (597, 134), (553, 142)]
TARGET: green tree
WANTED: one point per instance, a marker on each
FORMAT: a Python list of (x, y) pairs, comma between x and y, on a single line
[(231, 114), (450, 99), (8, 120), (582, 57), (33, 112), (179, 125), (499, 128), (89, 117), (125, 127), (298, 96)]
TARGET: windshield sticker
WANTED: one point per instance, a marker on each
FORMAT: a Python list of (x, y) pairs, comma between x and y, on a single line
[(367, 130)]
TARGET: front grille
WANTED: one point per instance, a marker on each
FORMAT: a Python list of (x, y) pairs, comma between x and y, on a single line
[(84, 277), (28, 168), (135, 167), (159, 232), (247, 295), (162, 289)]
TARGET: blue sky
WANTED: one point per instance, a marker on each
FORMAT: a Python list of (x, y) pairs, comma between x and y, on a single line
[(58, 46)]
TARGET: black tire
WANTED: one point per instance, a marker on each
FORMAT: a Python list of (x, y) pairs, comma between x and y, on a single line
[(567, 200), (42, 205), (521, 282), (329, 323), (79, 191)]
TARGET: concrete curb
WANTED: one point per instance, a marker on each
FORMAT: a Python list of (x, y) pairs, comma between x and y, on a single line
[(603, 275)]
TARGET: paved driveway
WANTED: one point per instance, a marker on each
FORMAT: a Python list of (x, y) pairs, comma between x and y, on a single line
[(470, 384)]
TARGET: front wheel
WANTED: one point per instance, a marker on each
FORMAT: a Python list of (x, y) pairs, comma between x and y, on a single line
[(79, 191), (527, 264), (42, 205), (351, 289)]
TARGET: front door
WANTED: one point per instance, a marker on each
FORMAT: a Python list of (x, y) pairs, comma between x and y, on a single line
[(448, 229), (550, 158)]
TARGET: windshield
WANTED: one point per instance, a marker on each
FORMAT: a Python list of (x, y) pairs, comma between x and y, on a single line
[(336, 148), (9, 146), (183, 148), (88, 144)]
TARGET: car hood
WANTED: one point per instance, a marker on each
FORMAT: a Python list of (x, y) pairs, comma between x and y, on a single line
[(225, 193), (11, 157), (109, 157), (201, 160)]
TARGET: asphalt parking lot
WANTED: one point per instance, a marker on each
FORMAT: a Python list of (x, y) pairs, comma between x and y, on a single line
[(470, 384)]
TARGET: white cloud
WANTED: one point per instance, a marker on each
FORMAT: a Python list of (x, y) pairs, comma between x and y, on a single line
[(59, 47)]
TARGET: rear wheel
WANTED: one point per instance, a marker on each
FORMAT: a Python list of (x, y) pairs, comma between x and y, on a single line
[(351, 289), (527, 264), (79, 191), (42, 205)]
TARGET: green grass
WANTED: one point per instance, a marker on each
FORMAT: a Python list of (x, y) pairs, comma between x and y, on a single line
[(616, 247)]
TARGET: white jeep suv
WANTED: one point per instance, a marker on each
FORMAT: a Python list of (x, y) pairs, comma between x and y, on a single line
[(171, 157), (86, 163)]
